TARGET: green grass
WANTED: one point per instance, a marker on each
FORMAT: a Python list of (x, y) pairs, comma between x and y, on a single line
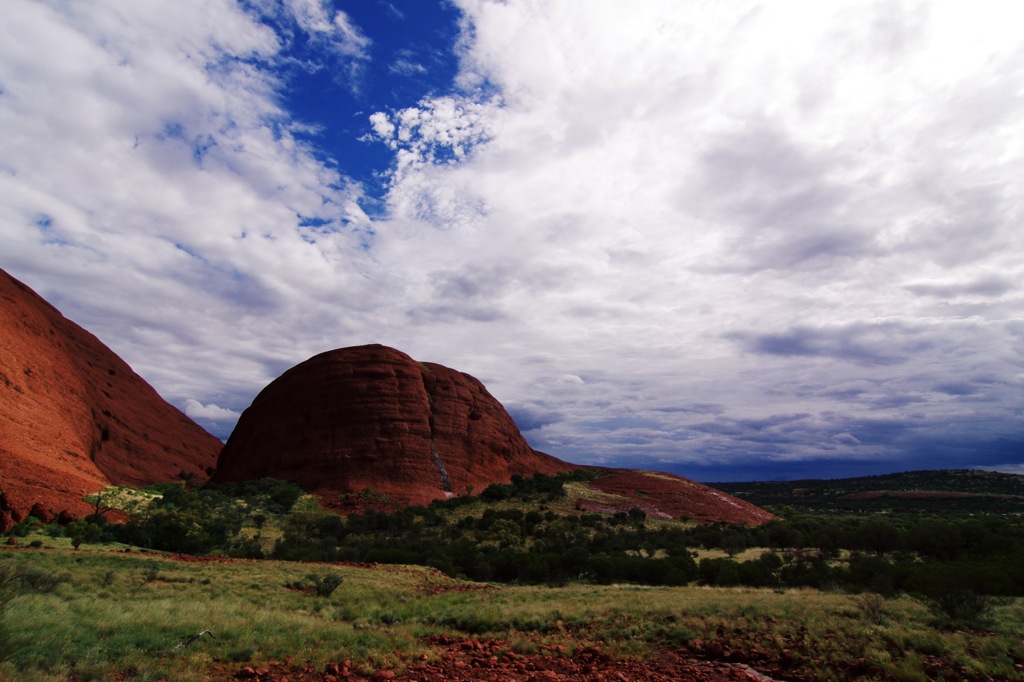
[(114, 615)]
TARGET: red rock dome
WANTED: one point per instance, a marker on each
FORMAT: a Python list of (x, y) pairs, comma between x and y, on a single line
[(75, 418), (372, 417)]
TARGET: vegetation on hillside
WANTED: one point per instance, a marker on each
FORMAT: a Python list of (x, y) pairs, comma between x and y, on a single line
[(953, 492), (528, 532), (813, 596)]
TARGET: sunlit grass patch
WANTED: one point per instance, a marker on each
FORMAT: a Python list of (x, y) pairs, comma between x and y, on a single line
[(132, 611)]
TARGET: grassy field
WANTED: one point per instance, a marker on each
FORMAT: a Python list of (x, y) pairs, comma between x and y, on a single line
[(103, 613)]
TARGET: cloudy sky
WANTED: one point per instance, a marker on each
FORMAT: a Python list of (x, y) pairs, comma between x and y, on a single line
[(728, 239)]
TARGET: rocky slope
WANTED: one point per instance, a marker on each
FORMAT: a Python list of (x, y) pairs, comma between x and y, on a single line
[(662, 495), (370, 417), (75, 418)]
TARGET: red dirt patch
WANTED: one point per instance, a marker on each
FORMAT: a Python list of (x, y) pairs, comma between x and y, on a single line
[(494, 661)]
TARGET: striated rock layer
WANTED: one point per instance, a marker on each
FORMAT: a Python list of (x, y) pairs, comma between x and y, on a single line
[(370, 416), (75, 418)]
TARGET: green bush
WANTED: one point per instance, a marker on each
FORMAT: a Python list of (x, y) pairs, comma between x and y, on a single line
[(325, 585), (961, 608), (42, 582), (872, 607), (83, 531)]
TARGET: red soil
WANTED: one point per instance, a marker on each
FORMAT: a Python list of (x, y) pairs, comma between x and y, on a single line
[(494, 661), (730, 656), (75, 418)]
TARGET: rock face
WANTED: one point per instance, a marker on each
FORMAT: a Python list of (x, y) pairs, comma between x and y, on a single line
[(75, 418), (367, 417), (371, 417)]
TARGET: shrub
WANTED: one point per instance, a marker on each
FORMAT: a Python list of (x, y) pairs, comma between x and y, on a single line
[(151, 572), (960, 608), (25, 527), (325, 585), (83, 531), (42, 582), (872, 607)]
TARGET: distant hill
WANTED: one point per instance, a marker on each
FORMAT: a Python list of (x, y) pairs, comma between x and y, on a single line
[(940, 491), (75, 418)]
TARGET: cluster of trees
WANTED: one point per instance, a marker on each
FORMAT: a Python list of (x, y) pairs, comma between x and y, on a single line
[(176, 517), (509, 534), (507, 545), (928, 556)]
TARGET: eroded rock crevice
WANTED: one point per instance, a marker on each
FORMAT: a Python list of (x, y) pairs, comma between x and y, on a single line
[(431, 386)]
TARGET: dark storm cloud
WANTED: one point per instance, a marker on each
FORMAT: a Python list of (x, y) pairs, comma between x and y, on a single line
[(987, 287), (752, 430), (532, 418), (435, 314), (862, 344), (959, 388), (693, 408), (791, 215), (470, 283)]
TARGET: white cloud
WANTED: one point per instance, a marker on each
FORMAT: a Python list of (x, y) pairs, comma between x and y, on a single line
[(655, 180), (320, 21), (405, 67), (197, 410), (695, 232), (383, 128), (152, 185), (845, 439)]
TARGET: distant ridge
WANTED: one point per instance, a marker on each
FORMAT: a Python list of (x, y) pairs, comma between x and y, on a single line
[(75, 418), (924, 490)]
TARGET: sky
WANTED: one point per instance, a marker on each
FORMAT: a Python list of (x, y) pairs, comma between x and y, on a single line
[(733, 240)]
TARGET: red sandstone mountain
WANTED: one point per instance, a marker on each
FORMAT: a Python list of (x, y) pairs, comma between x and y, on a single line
[(75, 418), (372, 417), (353, 419)]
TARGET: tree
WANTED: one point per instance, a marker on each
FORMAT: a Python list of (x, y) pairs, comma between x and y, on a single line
[(876, 535), (734, 542), (83, 531)]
